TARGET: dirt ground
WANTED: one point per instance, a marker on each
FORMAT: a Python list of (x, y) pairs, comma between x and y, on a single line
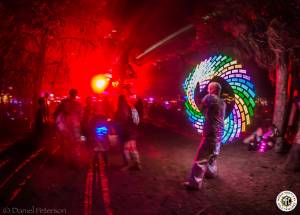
[(248, 182)]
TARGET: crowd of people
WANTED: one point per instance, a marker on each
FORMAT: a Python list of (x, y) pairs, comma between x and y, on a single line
[(86, 129), (94, 123)]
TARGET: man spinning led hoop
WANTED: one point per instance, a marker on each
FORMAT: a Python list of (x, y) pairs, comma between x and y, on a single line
[(213, 109), (239, 95), (236, 84)]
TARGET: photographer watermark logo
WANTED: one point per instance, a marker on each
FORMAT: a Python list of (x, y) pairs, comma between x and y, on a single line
[(286, 201)]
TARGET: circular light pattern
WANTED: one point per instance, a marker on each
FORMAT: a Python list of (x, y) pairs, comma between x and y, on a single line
[(229, 70)]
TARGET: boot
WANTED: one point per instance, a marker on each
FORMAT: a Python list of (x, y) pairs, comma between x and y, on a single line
[(195, 181)]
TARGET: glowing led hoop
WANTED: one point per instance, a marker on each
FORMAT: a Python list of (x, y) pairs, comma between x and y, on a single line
[(241, 84)]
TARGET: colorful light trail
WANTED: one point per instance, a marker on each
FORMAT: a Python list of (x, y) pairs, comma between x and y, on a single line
[(240, 82)]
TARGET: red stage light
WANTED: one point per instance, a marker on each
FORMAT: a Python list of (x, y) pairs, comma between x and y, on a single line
[(99, 83)]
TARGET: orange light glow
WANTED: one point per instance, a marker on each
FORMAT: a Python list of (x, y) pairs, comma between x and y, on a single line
[(99, 83), (115, 83)]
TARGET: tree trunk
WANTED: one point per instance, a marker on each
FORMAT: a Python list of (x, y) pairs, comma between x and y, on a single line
[(280, 102), (293, 160)]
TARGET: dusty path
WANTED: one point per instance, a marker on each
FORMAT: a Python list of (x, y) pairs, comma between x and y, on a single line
[(248, 182)]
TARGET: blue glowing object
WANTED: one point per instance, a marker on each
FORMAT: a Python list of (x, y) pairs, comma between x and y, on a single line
[(101, 131)]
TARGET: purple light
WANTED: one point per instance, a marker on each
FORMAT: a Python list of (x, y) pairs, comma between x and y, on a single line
[(263, 144), (150, 99)]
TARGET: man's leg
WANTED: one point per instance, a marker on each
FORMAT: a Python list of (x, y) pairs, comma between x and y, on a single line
[(132, 155), (135, 155), (127, 157), (206, 150), (211, 168), (198, 171)]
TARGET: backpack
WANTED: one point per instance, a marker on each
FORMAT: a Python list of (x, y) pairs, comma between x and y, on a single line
[(135, 116)]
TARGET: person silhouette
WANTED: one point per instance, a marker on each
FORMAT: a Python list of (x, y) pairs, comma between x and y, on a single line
[(213, 108)]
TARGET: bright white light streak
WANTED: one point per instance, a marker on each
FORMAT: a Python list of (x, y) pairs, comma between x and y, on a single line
[(161, 42)]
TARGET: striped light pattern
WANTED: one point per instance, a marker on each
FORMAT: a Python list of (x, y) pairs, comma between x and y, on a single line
[(232, 72)]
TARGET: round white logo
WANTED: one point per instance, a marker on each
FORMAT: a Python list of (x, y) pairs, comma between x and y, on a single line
[(286, 201)]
